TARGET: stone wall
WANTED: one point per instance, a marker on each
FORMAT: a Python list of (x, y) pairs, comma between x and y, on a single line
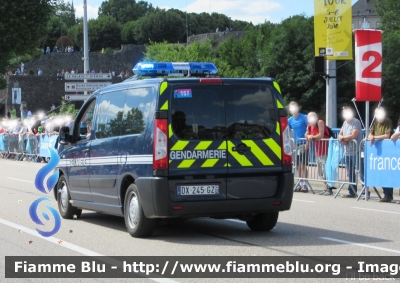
[(122, 60), (38, 92), (41, 92), (218, 37)]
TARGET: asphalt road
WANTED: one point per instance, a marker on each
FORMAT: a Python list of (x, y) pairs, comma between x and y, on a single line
[(315, 226)]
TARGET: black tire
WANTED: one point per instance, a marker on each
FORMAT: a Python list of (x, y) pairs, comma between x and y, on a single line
[(67, 211), (263, 222), (137, 224)]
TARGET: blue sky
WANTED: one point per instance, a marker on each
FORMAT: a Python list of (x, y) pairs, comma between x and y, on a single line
[(256, 11)]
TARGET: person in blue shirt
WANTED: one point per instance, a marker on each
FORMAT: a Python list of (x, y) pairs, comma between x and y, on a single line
[(298, 123)]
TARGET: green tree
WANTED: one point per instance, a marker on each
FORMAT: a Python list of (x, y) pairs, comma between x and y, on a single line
[(389, 12), (125, 10), (63, 17), (55, 29), (104, 32), (159, 26), (22, 26), (75, 33), (66, 109), (200, 52), (128, 32), (63, 42)]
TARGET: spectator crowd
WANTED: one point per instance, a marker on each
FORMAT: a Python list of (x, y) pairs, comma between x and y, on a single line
[(311, 130)]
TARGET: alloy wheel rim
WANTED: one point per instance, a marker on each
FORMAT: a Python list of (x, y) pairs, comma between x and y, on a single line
[(133, 212)]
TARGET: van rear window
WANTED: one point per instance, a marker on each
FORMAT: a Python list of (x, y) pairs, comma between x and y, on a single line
[(223, 112), (198, 113), (251, 113)]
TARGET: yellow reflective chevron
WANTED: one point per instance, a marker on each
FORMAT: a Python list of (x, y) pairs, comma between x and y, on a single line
[(180, 145), (186, 163), (278, 88), (278, 128), (240, 158), (203, 145), (279, 104), (222, 146), (274, 146), (209, 163), (227, 165), (256, 150), (163, 87), (170, 130), (165, 106)]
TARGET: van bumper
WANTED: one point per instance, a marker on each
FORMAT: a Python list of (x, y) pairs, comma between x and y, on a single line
[(156, 201)]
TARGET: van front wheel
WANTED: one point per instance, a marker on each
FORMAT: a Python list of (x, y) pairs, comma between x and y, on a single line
[(67, 211), (263, 222), (137, 224)]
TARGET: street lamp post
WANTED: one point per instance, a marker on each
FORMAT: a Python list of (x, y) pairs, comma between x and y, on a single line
[(187, 33)]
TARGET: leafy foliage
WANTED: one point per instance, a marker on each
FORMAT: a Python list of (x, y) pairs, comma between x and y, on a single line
[(22, 25), (128, 32), (159, 26), (125, 10), (104, 32), (389, 12), (66, 109), (283, 51), (64, 41)]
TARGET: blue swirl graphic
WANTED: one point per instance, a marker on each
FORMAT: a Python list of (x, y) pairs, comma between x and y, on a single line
[(34, 216), (52, 180)]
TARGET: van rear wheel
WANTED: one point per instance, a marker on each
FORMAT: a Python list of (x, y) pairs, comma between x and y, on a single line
[(137, 224), (263, 222)]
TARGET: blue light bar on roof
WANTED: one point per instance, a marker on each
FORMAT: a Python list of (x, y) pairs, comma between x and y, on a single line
[(174, 69)]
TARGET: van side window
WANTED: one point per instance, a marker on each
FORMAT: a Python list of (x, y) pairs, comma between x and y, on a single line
[(110, 114), (251, 113), (138, 110), (85, 121), (198, 113)]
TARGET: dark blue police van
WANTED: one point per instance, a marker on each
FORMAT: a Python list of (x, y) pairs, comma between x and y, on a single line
[(192, 146)]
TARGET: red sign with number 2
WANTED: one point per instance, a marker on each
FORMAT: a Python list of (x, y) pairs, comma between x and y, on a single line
[(368, 65)]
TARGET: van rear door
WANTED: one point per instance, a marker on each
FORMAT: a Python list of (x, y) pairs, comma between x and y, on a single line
[(253, 143), (197, 143)]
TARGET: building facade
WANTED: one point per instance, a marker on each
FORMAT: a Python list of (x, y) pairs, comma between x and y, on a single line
[(364, 15)]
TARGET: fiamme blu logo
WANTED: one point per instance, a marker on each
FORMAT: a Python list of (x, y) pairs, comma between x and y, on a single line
[(51, 216)]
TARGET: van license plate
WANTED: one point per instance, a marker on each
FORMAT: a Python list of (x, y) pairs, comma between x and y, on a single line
[(198, 190)]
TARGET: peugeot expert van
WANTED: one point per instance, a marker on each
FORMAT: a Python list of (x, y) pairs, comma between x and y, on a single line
[(192, 146)]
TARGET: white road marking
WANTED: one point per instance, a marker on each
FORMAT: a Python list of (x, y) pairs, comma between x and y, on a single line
[(360, 245), (20, 180), (385, 211), (75, 248), (310, 201)]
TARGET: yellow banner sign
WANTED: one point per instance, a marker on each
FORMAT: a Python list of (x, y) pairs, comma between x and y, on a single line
[(333, 29)]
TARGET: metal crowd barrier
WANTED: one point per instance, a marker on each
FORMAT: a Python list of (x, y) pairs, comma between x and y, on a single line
[(326, 161), (23, 147)]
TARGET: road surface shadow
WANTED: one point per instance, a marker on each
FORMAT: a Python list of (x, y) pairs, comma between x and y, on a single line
[(206, 231)]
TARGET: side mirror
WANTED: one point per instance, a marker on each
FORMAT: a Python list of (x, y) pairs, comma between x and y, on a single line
[(64, 137)]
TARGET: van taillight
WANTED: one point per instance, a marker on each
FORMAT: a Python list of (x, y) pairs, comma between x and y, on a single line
[(286, 145), (160, 150)]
